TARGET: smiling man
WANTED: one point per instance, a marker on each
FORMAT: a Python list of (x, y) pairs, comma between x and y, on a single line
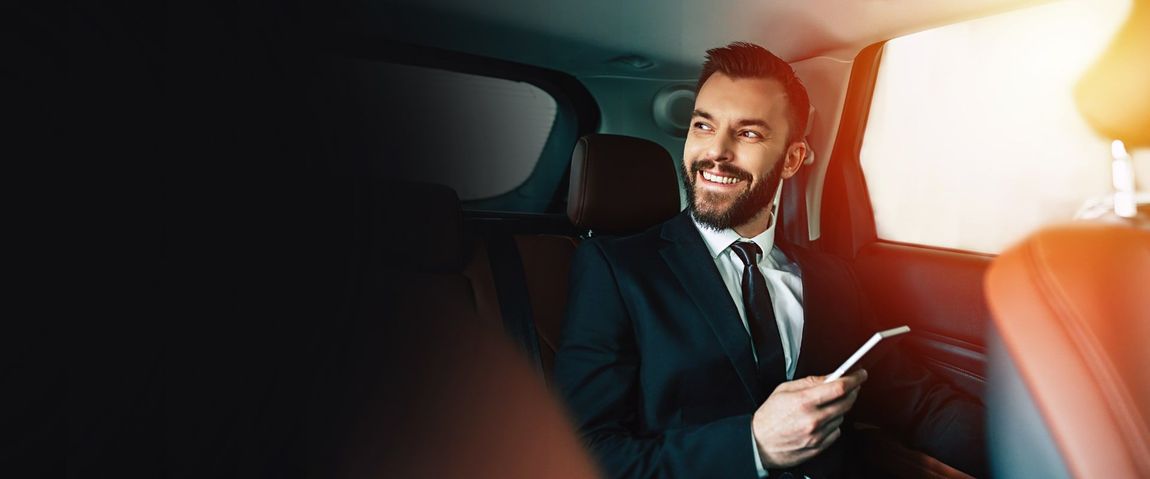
[(694, 349), (724, 193)]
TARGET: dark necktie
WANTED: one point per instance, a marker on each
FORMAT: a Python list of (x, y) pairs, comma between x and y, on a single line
[(761, 317)]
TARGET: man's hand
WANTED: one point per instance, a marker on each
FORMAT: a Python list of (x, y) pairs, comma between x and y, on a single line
[(801, 418)]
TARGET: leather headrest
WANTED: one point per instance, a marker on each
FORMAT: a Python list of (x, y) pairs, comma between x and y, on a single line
[(1112, 94), (620, 184), (421, 225)]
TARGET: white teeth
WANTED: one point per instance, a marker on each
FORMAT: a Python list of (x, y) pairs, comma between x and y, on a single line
[(719, 179)]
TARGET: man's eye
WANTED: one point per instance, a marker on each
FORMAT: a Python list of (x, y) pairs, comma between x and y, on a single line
[(754, 135), (702, 126)]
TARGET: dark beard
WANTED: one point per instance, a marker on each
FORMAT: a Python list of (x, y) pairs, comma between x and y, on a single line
[(748, 204)]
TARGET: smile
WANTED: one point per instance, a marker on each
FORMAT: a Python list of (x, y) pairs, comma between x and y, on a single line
[(714, 178)]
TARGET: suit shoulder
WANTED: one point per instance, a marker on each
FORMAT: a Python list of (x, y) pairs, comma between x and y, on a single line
[(625, 246)]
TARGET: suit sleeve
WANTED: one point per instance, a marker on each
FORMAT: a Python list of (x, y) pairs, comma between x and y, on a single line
[(597, 372), (922, 409)]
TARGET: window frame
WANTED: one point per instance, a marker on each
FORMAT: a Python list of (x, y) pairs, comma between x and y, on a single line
[(847, 215)]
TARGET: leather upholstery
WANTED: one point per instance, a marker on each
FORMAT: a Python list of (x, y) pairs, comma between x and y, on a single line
[(1072, 308), (437, 376), (1112, 94), (439, 395), (1017, 437), (621, 184), (546, 261), (478, 271)]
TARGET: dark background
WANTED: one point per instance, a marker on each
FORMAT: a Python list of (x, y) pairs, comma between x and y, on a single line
[(197, 217)]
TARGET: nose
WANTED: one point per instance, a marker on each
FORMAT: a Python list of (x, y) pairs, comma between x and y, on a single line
[(719, 149)]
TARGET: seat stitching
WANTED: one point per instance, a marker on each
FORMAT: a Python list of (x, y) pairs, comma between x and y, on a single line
[(584, 180), (1086, 345)]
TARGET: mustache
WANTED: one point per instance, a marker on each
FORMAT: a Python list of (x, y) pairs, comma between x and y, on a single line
[(723, 168)]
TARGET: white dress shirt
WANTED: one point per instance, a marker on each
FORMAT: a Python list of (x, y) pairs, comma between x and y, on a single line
[(784, 282)]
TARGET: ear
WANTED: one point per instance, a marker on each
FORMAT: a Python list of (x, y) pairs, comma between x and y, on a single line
[(796, 152)]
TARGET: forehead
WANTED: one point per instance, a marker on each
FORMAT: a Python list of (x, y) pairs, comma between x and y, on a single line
[(743, 98)]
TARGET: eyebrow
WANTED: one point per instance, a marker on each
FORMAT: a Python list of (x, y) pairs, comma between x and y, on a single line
[(742, 122)]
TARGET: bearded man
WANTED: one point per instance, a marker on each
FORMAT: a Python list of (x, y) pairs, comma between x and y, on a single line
[(694, 349)]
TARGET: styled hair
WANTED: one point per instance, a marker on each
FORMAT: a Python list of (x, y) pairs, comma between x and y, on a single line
[(747, 60)]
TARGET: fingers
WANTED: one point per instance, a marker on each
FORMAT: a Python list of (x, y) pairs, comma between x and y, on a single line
[(830, 438), (808, 382), (830, 416), (825, 394), (822, 394), (799, 384), (825, 436), (839, 407), (855, 379), (830, 426), (837, 424)]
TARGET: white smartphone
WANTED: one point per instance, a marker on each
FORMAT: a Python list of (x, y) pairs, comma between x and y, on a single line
[(877, 347)]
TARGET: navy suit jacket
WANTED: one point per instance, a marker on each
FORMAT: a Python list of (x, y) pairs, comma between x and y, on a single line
[(657, 370)]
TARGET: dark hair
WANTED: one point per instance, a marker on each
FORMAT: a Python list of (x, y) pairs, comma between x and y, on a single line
[(747, 60)]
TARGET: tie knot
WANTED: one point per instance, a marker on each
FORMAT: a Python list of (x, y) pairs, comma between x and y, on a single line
[(748, 251)]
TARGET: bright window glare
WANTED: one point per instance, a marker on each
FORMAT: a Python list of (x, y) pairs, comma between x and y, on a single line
[(974, 140)]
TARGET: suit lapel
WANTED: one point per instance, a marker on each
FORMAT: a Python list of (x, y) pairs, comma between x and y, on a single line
[(689, 259), (814, 309)]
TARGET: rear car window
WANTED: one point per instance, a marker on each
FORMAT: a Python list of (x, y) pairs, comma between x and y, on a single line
[(973, 138), (479, 135)]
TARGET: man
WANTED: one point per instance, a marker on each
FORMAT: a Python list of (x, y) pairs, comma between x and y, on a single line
[(689, 349)]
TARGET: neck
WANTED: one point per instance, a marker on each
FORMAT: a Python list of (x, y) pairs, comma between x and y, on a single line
[(756, 225)]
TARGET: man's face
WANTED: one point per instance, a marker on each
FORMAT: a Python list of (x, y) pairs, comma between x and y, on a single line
[(737, 151)]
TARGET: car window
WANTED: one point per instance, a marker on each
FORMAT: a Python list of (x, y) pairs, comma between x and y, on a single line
[(480, 135), (973, 139)]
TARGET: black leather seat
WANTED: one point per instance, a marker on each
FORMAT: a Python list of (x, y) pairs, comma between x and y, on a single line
[(621, 185), (618, 185), (432, 391)]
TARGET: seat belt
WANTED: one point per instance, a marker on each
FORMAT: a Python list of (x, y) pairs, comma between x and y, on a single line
[(514, 299)]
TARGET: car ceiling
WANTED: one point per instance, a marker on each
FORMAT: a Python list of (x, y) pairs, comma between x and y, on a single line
[(595, 37)]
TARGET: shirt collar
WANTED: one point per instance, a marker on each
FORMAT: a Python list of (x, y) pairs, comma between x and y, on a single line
[(719, 241)]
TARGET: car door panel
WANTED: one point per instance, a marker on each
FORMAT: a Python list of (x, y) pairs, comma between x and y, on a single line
[(938, 293)]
